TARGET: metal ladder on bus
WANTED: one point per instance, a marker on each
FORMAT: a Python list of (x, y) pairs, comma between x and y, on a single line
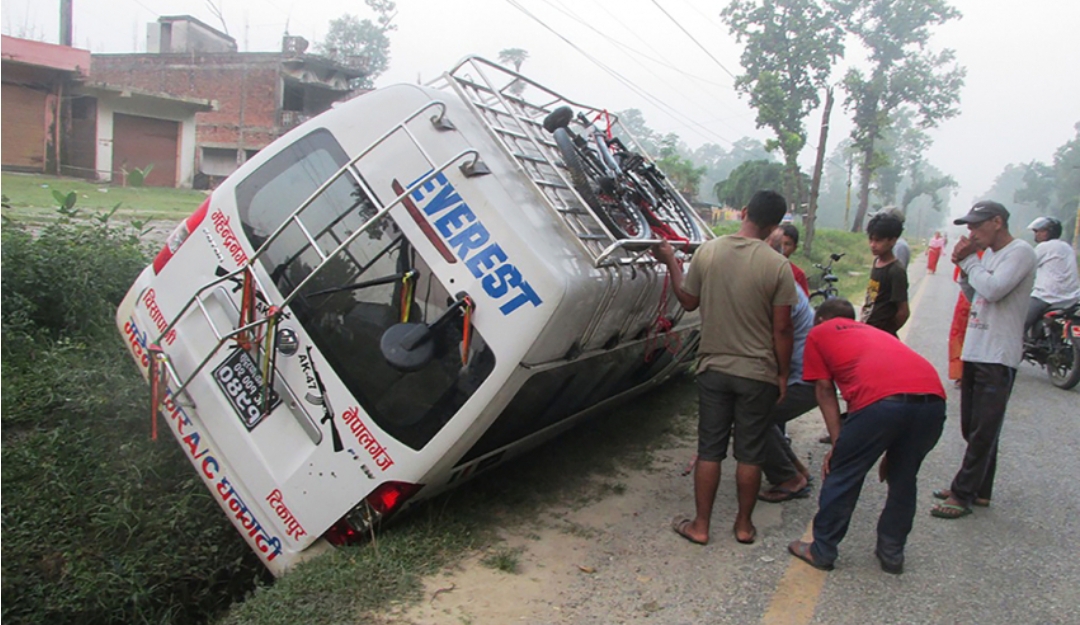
[(517, 125), (472, 165)]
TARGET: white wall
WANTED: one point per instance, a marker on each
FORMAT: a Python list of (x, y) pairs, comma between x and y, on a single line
[(109, 104)]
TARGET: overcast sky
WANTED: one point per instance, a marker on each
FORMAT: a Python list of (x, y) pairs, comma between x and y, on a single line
[(1020, 102)]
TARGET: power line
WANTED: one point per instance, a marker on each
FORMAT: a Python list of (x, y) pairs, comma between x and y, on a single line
[(674, 113), (703, 49), (634, 50), (683, 119), (765, 106)]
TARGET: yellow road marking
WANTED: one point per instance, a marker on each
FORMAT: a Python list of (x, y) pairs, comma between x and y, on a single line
[(796, 596)]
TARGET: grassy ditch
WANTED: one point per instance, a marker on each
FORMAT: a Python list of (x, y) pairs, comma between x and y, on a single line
[(31, 199), (100, 525), (103, 526)]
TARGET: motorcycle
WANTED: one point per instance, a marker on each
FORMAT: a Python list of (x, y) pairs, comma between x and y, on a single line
[(1055, 345)]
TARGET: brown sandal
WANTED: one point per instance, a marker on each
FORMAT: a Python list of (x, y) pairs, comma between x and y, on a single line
[(946, 493)]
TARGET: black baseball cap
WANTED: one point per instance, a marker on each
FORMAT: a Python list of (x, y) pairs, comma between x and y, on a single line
[(983, 211)]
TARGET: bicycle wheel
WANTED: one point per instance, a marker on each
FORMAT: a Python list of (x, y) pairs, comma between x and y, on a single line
[(669, 208), (1063, 360), (559, 118), (624, 221)]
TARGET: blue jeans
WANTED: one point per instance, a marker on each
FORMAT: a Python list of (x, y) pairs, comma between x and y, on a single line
[(907, 431)]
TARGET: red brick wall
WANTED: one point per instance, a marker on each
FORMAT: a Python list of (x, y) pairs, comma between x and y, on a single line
[(246, 88)]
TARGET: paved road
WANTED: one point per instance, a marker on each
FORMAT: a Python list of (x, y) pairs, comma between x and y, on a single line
[(1017, 562)]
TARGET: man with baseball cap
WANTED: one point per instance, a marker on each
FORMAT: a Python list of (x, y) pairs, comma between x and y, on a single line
[(998, 286)]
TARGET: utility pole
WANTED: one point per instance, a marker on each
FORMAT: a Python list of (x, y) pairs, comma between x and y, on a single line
[(847, 203), (819, 164), (65, 23)]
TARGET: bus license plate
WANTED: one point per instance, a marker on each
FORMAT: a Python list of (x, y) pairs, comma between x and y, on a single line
[(242, 382)]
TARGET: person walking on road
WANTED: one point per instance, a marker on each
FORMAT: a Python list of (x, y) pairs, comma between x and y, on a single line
[(896, 407), (746, 292), (933, 253), (998, 286)]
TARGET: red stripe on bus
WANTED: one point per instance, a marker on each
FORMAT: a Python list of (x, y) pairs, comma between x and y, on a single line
[(421, 221)]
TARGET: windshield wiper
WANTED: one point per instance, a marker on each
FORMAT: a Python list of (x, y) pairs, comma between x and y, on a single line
[(410, 274)]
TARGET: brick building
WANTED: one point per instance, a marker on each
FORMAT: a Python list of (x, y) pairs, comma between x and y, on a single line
[(259, 95), (38, 79), (57, 121)]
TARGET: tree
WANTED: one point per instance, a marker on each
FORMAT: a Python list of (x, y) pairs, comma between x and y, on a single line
[(791, 46), (900, 156), (903, 74), (815, 184), (515, 57), (928, 182), (1039, 186), (747, 179), (833, 200), (351, 39), (1055, 189), (634, 123)]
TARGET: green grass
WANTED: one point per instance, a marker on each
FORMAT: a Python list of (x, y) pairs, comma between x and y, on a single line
[(355, 582), (103, 526), (31, 199), (505, 559)]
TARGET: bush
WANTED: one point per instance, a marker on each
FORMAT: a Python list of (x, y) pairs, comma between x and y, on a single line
[(100, 525)]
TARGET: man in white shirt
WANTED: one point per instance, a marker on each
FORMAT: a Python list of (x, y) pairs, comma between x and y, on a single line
[(999, 287), (1056, 281)]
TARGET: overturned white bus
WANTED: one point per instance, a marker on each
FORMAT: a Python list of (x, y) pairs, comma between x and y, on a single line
[(393, 297)]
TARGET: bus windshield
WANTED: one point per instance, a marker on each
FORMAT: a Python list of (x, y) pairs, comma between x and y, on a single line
[(345, 324)]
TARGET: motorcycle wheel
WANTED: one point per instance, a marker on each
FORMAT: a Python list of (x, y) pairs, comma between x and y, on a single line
[(1063, 361)]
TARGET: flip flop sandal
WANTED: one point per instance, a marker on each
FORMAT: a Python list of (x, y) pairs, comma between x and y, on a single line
[(801, 551), (945, 494), (678, 525), (949, 511), (778, 494)]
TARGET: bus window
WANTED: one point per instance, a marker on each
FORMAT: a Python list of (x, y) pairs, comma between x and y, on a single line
[(346, 324)]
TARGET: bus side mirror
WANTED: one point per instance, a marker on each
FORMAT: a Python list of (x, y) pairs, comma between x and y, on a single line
[(407, 346)]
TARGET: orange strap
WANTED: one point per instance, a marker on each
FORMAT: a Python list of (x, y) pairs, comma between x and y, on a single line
[(465, 333), (247, 309), (158, 380)]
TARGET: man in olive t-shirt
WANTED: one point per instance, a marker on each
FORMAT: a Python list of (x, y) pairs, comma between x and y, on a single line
[(746, 292)]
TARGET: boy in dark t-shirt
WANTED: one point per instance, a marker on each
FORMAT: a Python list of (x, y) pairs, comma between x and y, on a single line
[(886, 306)]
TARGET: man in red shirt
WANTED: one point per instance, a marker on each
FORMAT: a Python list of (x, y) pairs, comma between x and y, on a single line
[(896, 404)]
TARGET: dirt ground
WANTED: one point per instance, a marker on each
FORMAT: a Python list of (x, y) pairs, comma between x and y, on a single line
[(616, 560)]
